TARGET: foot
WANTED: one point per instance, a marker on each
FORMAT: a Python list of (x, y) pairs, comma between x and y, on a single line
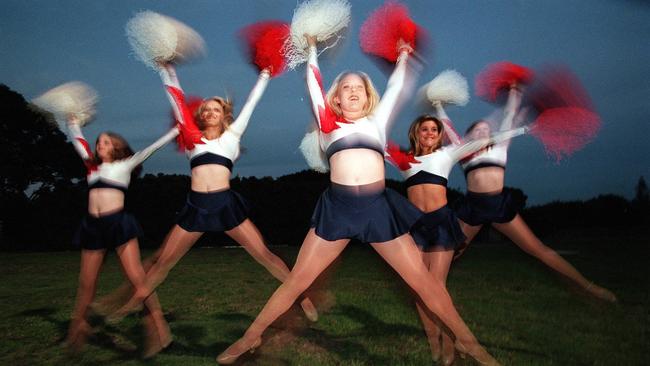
[(310, 310), (477, 352), (448, 351), (601, 293), (77, 335), (434, 343), (156, 339), (124, 311), (232, 353)]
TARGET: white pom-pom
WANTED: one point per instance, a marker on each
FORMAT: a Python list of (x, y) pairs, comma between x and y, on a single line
[(157, 38), (73, 99), (310, 148), (322, 19), (449, 87)]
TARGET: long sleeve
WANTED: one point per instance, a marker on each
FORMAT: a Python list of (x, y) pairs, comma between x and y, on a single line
[(324, 116), (142, 155), (79, 142), (473, 146), (239, 125), (451, 133), (396, 82), (190, 133), (510, 110)]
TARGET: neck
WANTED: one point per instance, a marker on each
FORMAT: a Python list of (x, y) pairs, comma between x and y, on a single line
[(212, 132), (353, 116), (426, 150)]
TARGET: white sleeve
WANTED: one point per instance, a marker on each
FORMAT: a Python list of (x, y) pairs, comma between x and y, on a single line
[(453, 136), (79, 142), (142, 155), (473, 146), (315, 85), (173, 90), (510, 110), (239, 125), (396, 82)]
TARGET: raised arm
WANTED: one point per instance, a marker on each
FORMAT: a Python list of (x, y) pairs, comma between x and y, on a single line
[(239, 125), (396, 82), (142, 155), (324, 116), (470, 147), (175, 93), (78, 140), (450, 132), (511, 108)]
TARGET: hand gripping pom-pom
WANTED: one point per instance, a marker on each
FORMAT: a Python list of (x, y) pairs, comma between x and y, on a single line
[(500, 76), (385, 28), (157, 38), (190, 134), (565, 130), (74, 99), (265, 41), (323, 19), (449, 87), (310, 148)]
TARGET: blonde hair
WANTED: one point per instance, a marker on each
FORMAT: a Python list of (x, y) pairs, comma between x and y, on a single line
[(371, 92), (415, 148), (226, 104)]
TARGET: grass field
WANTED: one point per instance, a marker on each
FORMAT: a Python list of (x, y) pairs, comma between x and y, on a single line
[(523, 314)]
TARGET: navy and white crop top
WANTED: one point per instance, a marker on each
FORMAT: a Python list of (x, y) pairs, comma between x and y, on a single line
[(336, 133), (116, 174), (223, 150), (497, 154)]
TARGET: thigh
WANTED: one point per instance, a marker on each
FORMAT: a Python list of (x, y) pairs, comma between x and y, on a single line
[(439, 263), (91, 263), (403, 255), (129, 254), (315, 255), (517, 231)]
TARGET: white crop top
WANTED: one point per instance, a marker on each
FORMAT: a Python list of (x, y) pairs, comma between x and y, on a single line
[(223, 150), (116, 174), (336, 133)]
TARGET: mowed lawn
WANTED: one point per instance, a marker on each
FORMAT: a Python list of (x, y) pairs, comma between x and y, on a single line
[(521, 312)]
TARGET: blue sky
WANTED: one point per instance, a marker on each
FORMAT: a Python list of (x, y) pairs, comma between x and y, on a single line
[(605, 42)]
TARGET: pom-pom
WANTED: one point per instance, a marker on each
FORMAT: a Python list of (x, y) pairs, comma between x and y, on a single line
[(449, 87), (74, 99), (402, 160), (558, 87), (565, 130), (500, 76), (190, 134), (323, 19), (385, 28), (265, 41), (314, 155), (157, 38)]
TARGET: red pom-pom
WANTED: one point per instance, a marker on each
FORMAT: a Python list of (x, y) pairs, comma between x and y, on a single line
[(381, 32), (558, 87), (265, 41), (500, 76), (565, 130), (399, 158), (190, 134)]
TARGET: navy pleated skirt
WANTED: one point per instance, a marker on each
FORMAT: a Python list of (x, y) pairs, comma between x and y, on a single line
[(213, 211), (486, 208), (370, 213), (438, 230), (106, 232)]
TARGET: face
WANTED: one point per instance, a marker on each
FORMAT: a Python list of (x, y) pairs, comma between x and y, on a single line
[(428, 135), (481, 130), (351, 94), (211, 114), (104, 148)]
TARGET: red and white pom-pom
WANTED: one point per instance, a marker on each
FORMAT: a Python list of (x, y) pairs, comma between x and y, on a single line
[(314, 155), (401, 159), (557, 86), (157, 38), (385, 28), (73, 99), (500, 76), (265, 41), (449, 87), (190, 134), (565, 130), (323, 19)]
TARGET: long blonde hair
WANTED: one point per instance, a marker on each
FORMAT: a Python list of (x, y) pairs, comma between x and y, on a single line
[(371, 92)]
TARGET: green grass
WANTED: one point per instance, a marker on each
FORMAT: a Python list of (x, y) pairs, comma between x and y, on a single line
[(522, 313)]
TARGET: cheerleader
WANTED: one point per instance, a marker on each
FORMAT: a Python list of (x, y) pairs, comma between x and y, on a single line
[(488, 202), (352, 124), (107, 225), (425, 168)]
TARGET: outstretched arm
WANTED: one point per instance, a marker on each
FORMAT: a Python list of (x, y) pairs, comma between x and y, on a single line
[(142, 155), (451, 133), (473, 146), (382, 113), (78, 140), (511, 108), (239, 125), (325, 118)]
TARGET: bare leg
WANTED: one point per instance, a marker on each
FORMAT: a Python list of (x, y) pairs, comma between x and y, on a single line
[(178, 242), (129, 254), (315, 255), (520, 234), (402, 254), (249, 237), (470, 232), (91, 262), (431, 329)]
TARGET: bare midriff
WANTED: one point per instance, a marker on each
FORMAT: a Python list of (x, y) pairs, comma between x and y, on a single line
[(105, 201), (354, 167), (486, 180), (427, 197), (210, 178)]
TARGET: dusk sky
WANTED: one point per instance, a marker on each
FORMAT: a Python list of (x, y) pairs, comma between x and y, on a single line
[(606, 43)]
